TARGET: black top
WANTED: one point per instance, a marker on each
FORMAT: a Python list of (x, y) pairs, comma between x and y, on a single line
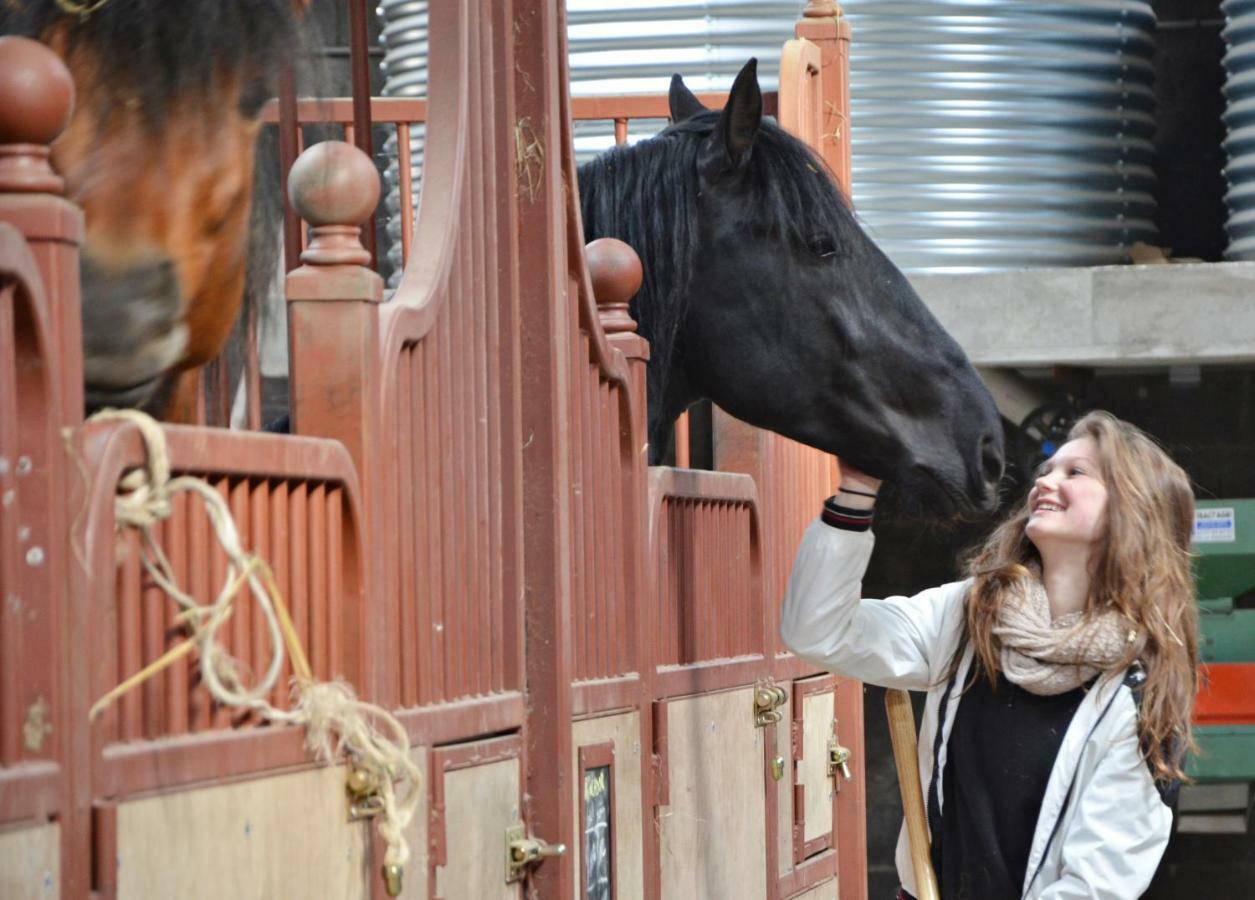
[(1001, 750)]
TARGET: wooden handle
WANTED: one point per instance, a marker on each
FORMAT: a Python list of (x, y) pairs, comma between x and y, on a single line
[(902, 734)]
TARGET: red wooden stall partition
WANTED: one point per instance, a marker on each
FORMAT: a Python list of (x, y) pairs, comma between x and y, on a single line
[(464, 526)]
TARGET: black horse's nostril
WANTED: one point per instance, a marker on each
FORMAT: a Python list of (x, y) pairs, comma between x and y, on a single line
[(991, 460)]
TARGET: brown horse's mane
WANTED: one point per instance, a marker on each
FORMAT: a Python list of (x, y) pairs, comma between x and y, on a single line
[(165, 52)]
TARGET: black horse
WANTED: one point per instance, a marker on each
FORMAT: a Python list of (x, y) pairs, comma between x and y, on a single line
[(763, 294)]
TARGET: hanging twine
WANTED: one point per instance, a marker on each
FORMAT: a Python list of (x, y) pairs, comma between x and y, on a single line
[(335, 720)]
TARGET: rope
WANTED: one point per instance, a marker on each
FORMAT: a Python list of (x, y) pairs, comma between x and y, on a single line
[(335, 720)]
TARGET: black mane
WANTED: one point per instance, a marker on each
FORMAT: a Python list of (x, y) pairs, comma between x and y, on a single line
[(647, 194), (165, 52)]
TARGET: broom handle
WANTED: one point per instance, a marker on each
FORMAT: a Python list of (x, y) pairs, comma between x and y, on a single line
[(902, 734)]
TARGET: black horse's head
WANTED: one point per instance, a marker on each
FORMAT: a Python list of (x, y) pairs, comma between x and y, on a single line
[(763, 294)]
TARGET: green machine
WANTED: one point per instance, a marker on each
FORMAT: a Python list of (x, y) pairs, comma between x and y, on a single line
[(1224, 547)]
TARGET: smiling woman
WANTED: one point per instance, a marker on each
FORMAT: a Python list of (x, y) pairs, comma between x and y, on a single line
[(159, 154), (1060, 674)]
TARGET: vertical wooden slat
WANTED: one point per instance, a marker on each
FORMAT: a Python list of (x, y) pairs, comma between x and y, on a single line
[(289, 132), (682, 441), (201, 565), (359, 66), (620, 131), (419, 421), (406, 187), (342, 631), (152, 638), (130, 652), (280, 564), (478, 512), (407, 501), (436, 526), (259, 534), (298, 562), (178, 703), (241, 624), (320, 623), (463, 466)]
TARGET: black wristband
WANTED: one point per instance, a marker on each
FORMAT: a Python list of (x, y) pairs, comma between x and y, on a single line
[(845, 518), (846, 490)]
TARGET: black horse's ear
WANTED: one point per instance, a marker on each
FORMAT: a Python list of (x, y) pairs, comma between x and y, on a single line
[(733, 138), (684, 103)]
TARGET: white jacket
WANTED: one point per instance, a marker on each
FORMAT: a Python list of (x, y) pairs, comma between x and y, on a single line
[(1103, 825)]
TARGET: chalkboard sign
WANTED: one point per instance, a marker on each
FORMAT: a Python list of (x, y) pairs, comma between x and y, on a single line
[(598, 790)]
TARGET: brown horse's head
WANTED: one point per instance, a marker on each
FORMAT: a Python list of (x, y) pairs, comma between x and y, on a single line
[(159, 154)]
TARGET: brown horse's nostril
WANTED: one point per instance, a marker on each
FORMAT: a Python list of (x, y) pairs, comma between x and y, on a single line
[(133, 327)]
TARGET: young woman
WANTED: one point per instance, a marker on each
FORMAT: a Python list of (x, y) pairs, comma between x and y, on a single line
[(1060, 674)]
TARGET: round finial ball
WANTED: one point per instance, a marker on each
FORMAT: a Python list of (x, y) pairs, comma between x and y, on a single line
[(36, 92), (334, 183), (615, 270)]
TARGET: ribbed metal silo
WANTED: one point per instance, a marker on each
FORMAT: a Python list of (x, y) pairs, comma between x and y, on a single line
[(634, 47), (993, 134), (986, 133), (404, 38), (1239, 117)]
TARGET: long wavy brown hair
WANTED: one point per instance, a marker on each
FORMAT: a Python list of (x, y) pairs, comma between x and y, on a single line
[(1141, 568)]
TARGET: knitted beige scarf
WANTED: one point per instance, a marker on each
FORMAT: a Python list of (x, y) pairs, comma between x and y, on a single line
[(1046, 656)]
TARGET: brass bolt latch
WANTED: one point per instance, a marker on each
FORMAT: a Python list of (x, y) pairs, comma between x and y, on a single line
[(523, 852), (838, 757), (768, 698)]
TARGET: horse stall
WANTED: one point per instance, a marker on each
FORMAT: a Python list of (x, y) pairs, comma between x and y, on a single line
[(580, 649)]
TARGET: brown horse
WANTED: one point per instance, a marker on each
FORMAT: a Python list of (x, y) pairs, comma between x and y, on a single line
[(159, 154)]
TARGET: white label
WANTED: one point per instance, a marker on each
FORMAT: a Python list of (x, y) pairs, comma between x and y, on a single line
[(1214, 526)]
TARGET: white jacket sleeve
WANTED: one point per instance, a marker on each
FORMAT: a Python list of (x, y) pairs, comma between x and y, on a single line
[(894, 642), (1114, 843)]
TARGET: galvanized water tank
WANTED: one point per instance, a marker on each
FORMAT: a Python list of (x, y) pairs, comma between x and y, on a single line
[(992, 134), (634, 47), (404, 37), (1239, 117), (986, 134)]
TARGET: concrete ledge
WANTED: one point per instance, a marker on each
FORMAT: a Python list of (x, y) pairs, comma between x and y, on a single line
[(1202, 313)]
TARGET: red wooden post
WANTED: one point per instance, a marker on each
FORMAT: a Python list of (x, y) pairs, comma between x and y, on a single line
[(546, 309), (36, 99), (616, 274), (823, 23), (333, 328)]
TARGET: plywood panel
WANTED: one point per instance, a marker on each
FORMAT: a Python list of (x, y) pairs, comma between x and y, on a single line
[(414, 886), (713, 833), (818, 716), (481, 802), (625, 731), (825, 891), (282, 836), (30, 863)]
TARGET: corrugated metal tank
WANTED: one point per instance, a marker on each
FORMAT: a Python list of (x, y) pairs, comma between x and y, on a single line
[(404, 38), (1239, 117), (993, 134), (986, 134)]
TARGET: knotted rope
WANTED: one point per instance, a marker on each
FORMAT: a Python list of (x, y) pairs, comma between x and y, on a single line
[(335, 720)]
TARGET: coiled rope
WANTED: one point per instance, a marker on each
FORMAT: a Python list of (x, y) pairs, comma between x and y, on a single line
[(335, 720)]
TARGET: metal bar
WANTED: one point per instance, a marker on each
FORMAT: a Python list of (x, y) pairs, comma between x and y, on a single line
[(288, 151), (359, 67)]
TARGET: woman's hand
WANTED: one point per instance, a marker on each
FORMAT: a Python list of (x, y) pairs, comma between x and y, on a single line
[(854, 485)]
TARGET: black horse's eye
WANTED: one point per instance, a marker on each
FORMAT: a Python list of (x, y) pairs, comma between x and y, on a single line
[(822, 246)]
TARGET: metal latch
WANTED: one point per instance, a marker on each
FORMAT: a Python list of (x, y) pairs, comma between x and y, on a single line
[(363, 788), (523, 852), (838, 757), (768, 698)]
